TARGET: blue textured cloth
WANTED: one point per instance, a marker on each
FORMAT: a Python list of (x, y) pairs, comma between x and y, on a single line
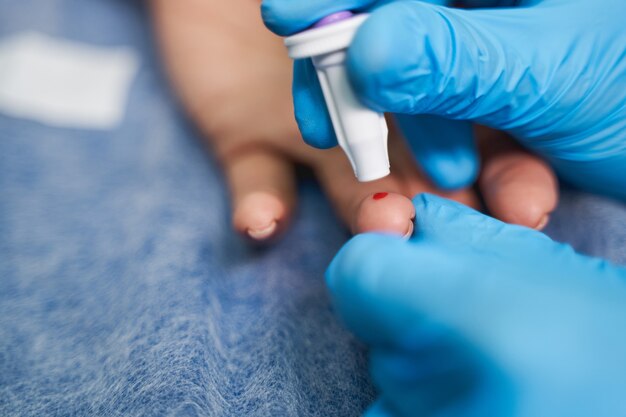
[(123, 290)]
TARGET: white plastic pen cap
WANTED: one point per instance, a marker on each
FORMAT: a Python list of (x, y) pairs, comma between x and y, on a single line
[(361, 132)]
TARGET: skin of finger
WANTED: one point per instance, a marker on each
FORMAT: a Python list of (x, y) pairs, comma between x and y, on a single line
[(517, 186), (232, 75), (242, 100), (385, 212), (263, 192), (355, 201)]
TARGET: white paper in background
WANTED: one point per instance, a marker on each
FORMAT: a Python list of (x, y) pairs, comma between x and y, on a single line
[(64, 83)]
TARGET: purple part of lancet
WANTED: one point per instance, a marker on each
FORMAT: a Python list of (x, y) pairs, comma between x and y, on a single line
[(334, 18)]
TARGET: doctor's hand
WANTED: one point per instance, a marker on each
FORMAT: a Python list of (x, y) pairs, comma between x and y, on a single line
[(234, 78), (552, 73), (474, 317)]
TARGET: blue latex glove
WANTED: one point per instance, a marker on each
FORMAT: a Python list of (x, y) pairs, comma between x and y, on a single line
[(552, 73), (474, 317)]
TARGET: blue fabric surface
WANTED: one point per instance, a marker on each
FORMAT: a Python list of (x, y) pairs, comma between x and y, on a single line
[(123, 290)]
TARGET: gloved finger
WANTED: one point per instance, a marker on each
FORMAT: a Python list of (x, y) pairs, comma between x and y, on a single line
[(485, 283), (285, 17), (353, 277), (444, 149), (440, 219), (263, 192), (311, 111), (518, 314), (413, 175), (378, 283), (518, 187), (417, 58)]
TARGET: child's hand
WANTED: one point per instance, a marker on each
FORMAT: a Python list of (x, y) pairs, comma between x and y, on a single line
[(234, 77)]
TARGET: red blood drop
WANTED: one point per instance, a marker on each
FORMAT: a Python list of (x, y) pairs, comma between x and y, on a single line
[(380, 196)]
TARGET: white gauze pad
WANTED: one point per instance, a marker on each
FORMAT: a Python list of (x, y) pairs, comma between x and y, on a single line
[(64, 83)]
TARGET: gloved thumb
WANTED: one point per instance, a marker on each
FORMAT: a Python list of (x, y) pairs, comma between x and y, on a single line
[(492, 289), (410, 57)]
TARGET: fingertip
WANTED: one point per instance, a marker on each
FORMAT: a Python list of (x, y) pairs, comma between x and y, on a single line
[(533, 211), (281, 17), (385, 212), (445, 149), (519, 188), (286, 17), (543, 222), (258, 215), (262, 233), (452, 171), (522, 203)]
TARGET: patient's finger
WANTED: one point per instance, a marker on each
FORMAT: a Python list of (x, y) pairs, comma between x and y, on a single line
[(383, 205), (384, 212), (517, 186), (364, 207), (262, 191)]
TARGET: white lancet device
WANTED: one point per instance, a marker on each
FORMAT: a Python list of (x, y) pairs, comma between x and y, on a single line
[(361, 132)]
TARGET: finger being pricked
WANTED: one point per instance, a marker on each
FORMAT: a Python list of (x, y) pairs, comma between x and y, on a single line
[(517, 186), (380, 206), (383, 205)]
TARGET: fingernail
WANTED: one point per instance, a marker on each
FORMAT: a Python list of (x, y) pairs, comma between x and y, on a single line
[(543, 222), (409, 231), (262, 233)]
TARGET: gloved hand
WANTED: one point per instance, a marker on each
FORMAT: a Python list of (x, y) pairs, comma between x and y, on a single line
[(473, 317), (550, 72)]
